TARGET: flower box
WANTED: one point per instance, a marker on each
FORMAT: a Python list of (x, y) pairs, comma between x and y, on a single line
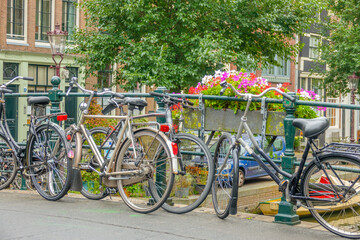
[(226, 120)]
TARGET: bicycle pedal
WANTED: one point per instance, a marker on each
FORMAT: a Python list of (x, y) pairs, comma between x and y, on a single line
[(181, 173), (111, 190), (283, 185)]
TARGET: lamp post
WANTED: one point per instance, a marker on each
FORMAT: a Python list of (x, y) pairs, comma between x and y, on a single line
[(353, 84), (57, 39)]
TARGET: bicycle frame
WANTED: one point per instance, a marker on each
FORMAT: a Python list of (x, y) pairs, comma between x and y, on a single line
[(294, 178), (126, 124)]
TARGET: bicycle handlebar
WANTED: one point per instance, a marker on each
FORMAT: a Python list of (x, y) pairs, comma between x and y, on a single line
[(224, 84), (16, 78), (173, 99), (92, 92)]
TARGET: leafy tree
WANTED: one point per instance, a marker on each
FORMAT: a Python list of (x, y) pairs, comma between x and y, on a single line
[(342, 52), (174, 43)]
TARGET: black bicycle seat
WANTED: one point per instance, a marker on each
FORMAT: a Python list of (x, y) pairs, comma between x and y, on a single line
[(38, 100), (312, 127), (135, 102)]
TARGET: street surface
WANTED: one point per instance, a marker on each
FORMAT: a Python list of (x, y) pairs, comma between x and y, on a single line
[(26, 215)]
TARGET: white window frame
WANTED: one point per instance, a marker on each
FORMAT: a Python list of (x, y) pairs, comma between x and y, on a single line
[(335, 111), (42, 44), (18, 41), (314, 46)]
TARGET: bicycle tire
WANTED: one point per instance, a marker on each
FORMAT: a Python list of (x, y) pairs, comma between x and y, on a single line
[(199, 173), (91, 189), (222, 188), (50, 167), (145, 193), (330, 180), (8, 164)]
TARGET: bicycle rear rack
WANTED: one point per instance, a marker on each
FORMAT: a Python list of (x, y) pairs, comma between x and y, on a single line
[(342, 148)]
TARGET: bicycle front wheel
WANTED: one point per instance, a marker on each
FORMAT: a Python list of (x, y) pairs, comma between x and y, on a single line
[(50, 167), (8, 167), (197, 178), (92, 189), (224, 177), (146, 171), (334, 186)]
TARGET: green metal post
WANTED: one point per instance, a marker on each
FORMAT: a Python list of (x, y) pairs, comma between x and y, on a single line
[(287, 211), (23, 183), (161, 106), (54, 96)]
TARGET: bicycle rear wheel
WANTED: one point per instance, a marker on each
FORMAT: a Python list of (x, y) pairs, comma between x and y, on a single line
[(148, 158), (225, 175), (334, 186), (199, 174), (8, 166), (50, 167), (91, 185)]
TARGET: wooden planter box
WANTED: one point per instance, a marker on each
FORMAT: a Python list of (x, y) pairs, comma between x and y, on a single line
[(226, 120)]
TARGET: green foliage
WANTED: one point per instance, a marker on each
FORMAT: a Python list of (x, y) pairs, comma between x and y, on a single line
[(342, 52), (95, 109), (173, 43)]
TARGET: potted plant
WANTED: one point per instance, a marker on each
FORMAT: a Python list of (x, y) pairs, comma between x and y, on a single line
[(183, 185), (225, 115)]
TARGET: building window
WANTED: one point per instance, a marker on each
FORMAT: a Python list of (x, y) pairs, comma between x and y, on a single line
[(104, 81), (314, 47), (278, 73), (42, 78), (302, 83), (15, 19), (332, 113), (43, 19), (69, 17), (10, 70), (72, 72)]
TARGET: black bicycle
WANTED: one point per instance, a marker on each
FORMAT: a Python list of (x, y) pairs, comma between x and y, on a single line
[(47, 156), (328, 186)]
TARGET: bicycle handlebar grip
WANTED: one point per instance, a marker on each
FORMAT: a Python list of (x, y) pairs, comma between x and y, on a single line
[(119, 95), (108, 109), (28, 78), (4, 90), (157, 94), (224, 85), (292, 99)]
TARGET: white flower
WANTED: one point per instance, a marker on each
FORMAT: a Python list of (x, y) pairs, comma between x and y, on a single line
[(218, 73), (206, 79)]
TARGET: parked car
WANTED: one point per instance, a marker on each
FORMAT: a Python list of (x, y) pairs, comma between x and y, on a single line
[(251, 169)]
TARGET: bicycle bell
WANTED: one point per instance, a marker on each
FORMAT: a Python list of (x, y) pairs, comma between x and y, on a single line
[(83, 106)]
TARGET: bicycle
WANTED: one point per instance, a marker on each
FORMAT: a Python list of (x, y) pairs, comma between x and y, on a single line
[(141, 164), (195, 162), (47, 156), (196, 165), (328, 186)]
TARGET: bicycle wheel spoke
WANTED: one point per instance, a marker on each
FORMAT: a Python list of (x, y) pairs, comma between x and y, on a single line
[(338, 180)]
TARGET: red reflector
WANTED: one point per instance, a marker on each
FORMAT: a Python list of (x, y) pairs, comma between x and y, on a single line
[(164, 128), (175, 148), (68, 137), (61, 117)]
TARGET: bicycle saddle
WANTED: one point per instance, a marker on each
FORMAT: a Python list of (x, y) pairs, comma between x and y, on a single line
[(38, 100), (312, 127), (135, 102)]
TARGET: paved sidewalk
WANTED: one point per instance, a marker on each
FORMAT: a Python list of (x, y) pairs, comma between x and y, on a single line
[(26, 215)]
